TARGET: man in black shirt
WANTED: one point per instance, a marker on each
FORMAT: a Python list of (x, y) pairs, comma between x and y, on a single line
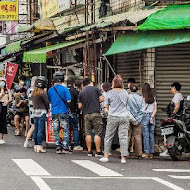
[(73, 119), (89, 101)]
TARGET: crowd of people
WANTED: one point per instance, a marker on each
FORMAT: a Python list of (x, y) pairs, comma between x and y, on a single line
[(112, 109)]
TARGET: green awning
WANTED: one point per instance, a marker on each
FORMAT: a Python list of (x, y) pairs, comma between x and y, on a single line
[(13, 47), (133, 41), (40, 55), (172, 17)]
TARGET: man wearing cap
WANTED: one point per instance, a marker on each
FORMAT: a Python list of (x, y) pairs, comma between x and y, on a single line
[(59, 96)]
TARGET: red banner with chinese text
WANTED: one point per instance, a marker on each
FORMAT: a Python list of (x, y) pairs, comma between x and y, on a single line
[(11, 70)]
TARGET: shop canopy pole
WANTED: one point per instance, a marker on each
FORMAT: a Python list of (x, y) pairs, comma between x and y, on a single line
[(109, 64)]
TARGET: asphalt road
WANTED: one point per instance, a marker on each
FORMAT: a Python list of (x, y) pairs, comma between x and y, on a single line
[(23, 169)]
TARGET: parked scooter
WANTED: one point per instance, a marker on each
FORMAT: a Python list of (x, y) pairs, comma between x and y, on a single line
[(177, 132)]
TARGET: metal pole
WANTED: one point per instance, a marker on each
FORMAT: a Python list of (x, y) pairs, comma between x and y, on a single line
[(40, 69), (109, 65)]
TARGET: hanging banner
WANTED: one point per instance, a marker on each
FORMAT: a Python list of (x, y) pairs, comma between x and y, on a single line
[(11, 70), (48, 8), (9, 10)]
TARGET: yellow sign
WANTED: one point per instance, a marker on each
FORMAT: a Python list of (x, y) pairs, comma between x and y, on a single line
[(48, 8), (1, 73), (8, 10)]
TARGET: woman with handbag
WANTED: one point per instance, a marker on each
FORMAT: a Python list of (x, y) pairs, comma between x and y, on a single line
[(148, 121), (40, 108), (118, 118), (5, 98)]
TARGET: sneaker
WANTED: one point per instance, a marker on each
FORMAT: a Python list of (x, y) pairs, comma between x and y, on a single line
[(58, 151), (66, 150), (123, 161), (104, 160), (165, 153), (78, 147), (27, 144), (99, 154), (90, 154), (2, 141)]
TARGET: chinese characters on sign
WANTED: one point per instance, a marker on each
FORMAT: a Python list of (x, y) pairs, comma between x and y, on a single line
[(9, 10)]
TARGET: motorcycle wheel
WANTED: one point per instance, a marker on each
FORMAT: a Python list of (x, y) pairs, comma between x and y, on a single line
[(174, 152)]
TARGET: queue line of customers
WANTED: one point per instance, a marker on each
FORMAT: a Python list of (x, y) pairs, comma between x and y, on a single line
[(130, 113), (127, 113)]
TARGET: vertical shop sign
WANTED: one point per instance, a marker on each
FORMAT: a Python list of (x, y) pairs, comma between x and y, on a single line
[(9, 10), (26, 70), (48, 8), (11, 70)]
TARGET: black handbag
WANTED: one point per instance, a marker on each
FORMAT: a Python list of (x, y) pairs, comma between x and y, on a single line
[(1, 105)]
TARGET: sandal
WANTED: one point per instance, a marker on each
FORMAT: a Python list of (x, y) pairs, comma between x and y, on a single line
[(18, 133)]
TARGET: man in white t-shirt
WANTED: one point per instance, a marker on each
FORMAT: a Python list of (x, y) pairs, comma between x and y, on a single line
[(177, 100), (176, 104)]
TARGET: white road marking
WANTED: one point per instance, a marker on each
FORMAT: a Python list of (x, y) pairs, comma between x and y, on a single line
[(78, 177), (96, 168), (179, 177), (166, 183), (40, 183), (171, 170), (161, 181), (30, 167)]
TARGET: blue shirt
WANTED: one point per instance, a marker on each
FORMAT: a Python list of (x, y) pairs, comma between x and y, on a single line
[(136, 106), (57, 104)]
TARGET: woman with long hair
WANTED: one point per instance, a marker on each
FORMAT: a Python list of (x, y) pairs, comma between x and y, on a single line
[(40, 108), (5, 98), (118, 118), (148, 121)]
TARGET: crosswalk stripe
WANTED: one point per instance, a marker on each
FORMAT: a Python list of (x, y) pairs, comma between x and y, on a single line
[(167, 183), (179, 177), (40, 183), (172, 170), (30, 167), (96, 168)]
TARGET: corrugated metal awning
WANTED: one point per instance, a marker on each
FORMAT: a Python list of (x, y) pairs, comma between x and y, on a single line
[(134, 16)]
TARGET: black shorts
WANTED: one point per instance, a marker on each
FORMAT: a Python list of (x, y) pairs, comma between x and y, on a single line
[(22, 114)]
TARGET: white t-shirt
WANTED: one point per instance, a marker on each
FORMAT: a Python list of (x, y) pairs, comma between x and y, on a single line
[(177, 98), (149, 108)]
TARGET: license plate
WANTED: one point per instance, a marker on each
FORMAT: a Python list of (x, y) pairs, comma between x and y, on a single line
[(167, 131)]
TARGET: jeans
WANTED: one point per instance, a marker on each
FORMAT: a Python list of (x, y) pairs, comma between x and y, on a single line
[(148, 134), (39, 128), (61, 120), (74, 122), (122, 124)]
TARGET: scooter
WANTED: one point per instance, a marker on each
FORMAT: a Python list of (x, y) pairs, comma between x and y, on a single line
[(177, 132)]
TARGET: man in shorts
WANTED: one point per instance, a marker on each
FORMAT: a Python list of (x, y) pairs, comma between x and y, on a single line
[(89, 101), (21, 102)]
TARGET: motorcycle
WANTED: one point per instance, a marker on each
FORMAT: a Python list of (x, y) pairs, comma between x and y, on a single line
[(176, 129)]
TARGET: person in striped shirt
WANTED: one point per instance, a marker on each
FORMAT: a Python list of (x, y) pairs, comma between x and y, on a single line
[(27, 143)]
